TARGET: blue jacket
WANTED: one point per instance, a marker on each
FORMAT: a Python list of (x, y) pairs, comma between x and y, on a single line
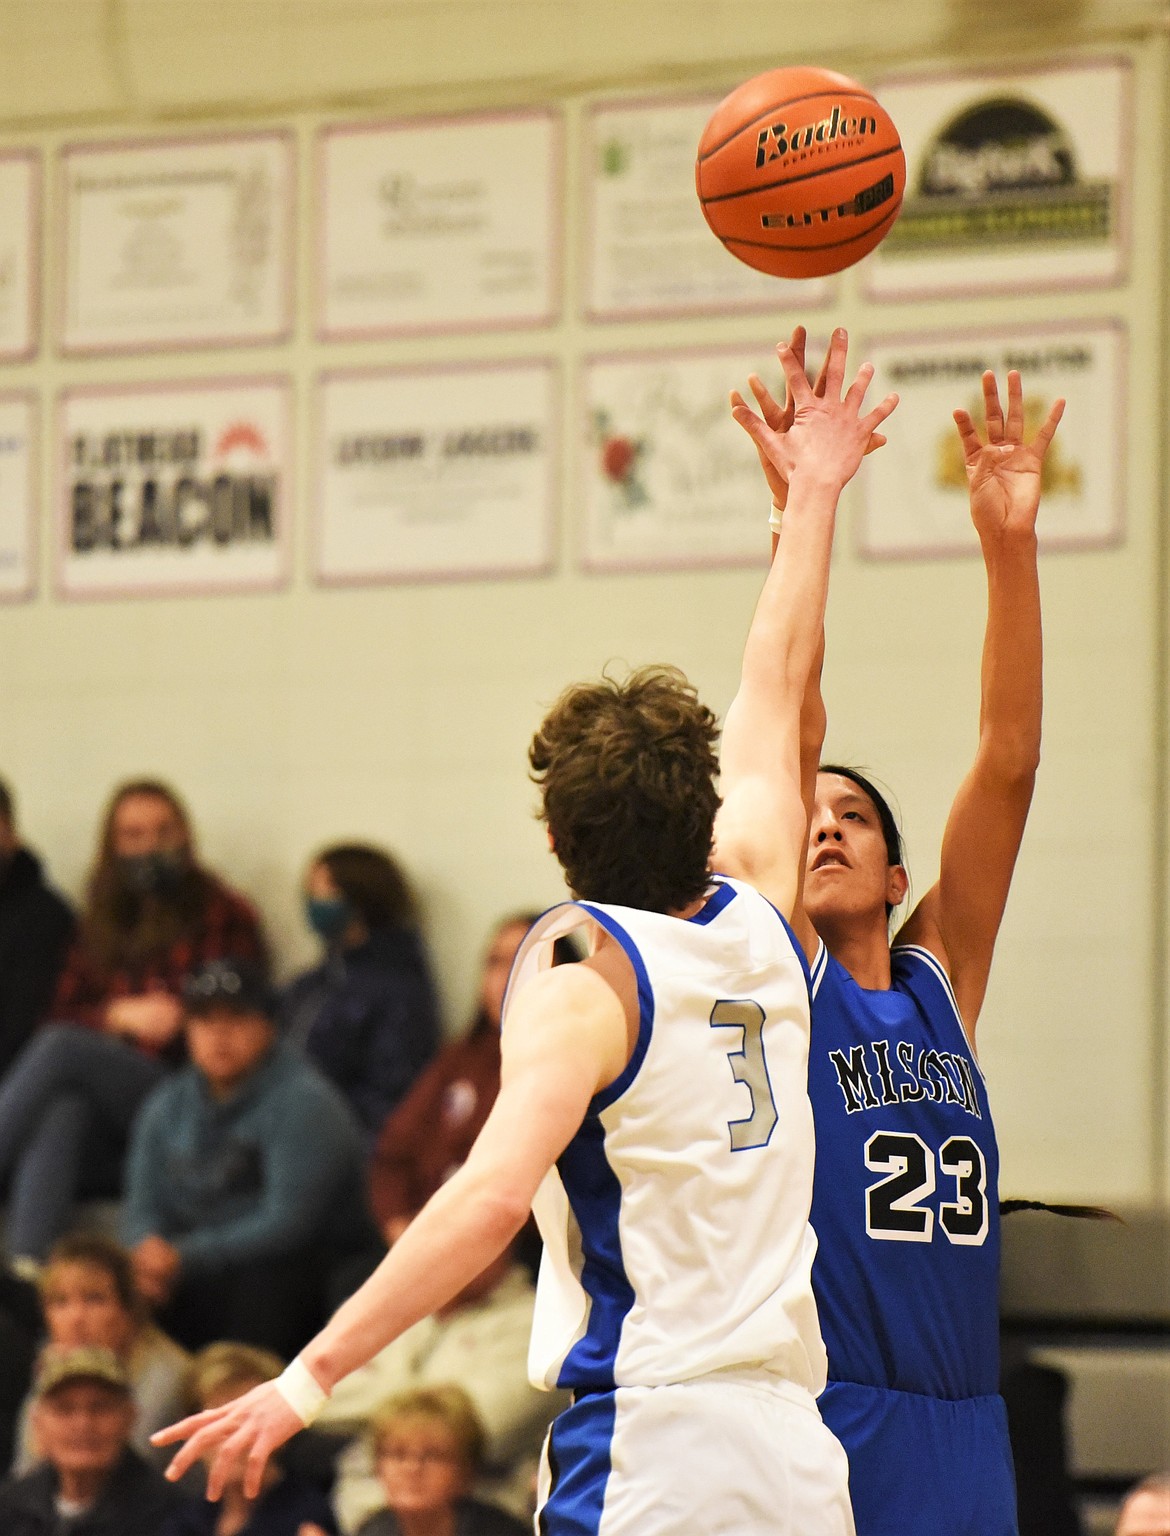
[(274, 1168), (368, 1018)]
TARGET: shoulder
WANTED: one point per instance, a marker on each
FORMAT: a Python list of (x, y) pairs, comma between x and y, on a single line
[(31, 1492), (475, 1518)]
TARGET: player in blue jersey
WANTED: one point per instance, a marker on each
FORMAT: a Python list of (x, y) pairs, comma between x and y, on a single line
[(653, 1098), (905, 1196)]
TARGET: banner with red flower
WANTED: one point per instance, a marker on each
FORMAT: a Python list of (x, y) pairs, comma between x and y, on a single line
[(670, 480)]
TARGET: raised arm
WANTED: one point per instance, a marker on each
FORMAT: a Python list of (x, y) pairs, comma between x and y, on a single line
[(958, 919), (761, 827), (566, 1037)]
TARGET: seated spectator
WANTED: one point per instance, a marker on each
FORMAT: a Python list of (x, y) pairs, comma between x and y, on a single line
[(1146, 1512), (427, 1446), (244, 1180), (431, 1132), (66, 1105), (479, 1341), (89, 1301), (20, 1328), (92, 1482), (367, 1015), (287, 1505), (36, 925)]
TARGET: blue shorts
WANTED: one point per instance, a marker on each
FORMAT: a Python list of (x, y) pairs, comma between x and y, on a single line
[(924, 1466)]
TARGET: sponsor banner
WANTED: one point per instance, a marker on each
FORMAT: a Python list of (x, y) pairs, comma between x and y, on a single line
[(442, 225), (1014, 182), (915, 489), (648, 249), (669, 479), (17, 496), (173, 488), (436, 473), (178, 242), (20, 196)]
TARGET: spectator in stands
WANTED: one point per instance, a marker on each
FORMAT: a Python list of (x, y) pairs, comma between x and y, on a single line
[(20, 1328), (89, 1300), (66, 1105), (92, 1482), (427, 1447), (431, 1132), (244, 1184), (36, 926), (1146, 1512), (287, 1505), (367, 1015)]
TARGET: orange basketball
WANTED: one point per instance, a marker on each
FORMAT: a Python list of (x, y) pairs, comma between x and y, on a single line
[(800, 172)]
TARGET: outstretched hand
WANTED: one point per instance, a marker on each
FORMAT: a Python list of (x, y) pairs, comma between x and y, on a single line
[(817, 430), (240, 1436), (779, 417), (1003, 474)]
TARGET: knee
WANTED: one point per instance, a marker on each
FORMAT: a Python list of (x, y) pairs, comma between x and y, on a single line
[(54, 1049)]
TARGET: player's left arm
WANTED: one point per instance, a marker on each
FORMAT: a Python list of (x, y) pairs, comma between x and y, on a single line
[(959, 917), (566, 1037), (760, 831)]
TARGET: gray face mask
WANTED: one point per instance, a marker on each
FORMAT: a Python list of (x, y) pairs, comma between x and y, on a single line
[(152, 874)]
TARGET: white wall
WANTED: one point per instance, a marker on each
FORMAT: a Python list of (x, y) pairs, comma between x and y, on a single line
[(402, 714)]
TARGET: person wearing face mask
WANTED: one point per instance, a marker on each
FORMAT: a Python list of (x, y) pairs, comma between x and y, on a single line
[(367, 1015), (153, 914), (36, 925)]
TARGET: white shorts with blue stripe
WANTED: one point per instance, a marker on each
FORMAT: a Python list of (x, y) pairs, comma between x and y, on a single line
[(727, 1455)]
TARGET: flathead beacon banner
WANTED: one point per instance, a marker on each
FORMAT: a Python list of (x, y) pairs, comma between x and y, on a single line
[(174, 488)]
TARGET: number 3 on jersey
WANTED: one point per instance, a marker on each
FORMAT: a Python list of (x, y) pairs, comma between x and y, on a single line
[(893, 1209), (749, 1066)]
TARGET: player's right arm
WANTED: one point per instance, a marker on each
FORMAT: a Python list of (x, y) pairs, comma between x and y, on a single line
[(567, 1037), (760, 831)]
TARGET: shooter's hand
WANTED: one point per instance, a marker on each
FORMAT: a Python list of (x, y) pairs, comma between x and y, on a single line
[(240, 1435)]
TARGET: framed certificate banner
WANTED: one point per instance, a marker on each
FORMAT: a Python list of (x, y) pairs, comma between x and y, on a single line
[(432, 473), (177, 243), (668, 478), (20, 207), (173, 488), (915, 489), (18, 438), (443, 224), (1015, 182), (648, 250)]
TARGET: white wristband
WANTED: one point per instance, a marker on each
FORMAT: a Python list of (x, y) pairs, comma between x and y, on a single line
[(776, 517), (302, 1391)]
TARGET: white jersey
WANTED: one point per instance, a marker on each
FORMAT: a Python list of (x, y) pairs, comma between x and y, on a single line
[(675, 1223)]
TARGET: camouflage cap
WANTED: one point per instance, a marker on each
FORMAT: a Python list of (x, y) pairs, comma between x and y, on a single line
[(86, 1363)]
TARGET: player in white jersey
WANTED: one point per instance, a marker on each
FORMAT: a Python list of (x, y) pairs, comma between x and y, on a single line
[(652, 1098)]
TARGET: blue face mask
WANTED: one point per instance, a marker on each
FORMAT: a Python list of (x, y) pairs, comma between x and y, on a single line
[(328, 916)]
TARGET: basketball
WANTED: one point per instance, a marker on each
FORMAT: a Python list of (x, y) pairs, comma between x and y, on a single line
[(800, 172)]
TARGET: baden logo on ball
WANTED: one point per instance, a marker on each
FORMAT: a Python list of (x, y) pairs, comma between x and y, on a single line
[(800, 172)]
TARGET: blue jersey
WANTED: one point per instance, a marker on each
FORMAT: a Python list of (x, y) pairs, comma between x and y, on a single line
[(905, 1203)]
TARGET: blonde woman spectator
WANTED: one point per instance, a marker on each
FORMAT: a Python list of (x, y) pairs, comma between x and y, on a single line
[(89, 1300), (427, 1447), (286, 1505)]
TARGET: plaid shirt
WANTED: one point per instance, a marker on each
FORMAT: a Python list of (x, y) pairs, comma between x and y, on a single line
[(229, 926)]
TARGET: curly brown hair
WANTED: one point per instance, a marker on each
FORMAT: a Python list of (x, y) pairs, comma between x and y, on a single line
[(626, 771)]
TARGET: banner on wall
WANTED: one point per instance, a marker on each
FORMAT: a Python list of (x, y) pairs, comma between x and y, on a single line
[(1014, 182), (178, 242), (20, 192), (173, 488), (669, 479), (648, 249), (442, 225), (436, 473), (17, 496), (915, 488)]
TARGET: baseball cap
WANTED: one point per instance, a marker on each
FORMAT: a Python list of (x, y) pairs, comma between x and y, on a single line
[(239, 985), (85, 1363)]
